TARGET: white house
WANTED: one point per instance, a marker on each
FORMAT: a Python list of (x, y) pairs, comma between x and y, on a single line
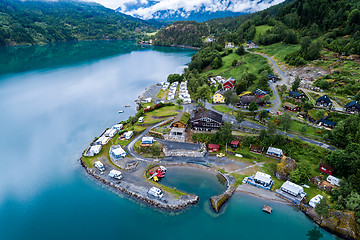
[(315, 200), (262, 178), (103, 140), (118, 127), (118, 152), (276, 152), (110, 132), (292, 189), (94, 150), (333, 180), (128, 135)]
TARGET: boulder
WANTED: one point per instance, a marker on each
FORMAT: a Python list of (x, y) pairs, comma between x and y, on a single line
[(284, 167)]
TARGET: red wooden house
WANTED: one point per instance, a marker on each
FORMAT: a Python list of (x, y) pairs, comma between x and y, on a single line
[(213, 147), (234, 144), (325, 168), (229, 84)]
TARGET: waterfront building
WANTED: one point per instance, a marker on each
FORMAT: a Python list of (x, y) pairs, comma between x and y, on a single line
[(274, 152)]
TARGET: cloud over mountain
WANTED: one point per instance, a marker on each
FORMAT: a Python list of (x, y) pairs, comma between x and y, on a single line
[(147, 9)]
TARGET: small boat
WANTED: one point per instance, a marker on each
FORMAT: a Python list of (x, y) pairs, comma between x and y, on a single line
[(151, 172), (127, 105), (156, 179), (160, 175), (121, 111), (267, 209)]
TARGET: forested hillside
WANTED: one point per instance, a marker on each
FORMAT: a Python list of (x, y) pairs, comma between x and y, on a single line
[(313, 23), (32, 22)]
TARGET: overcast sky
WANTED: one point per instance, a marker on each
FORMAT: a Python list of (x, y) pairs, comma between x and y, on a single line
[(188, 5)]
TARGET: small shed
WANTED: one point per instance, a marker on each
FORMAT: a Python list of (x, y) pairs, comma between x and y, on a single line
[(234, 144), (213, 147), (325, 168), (147, 141), (327, 123), (181, 120), (274, 152), (256, 149)]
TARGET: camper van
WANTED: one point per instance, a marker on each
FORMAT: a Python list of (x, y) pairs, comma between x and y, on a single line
[(115, 174), (141, 119), (99, 166), (156, 192)]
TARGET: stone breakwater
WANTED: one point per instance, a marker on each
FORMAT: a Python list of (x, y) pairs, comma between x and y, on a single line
[(190, 199), (219, 200)]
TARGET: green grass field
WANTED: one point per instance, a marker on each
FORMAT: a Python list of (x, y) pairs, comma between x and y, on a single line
[(260, 30), (278, 50)]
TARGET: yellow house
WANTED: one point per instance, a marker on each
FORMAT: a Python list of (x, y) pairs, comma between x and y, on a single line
[(218, 98)]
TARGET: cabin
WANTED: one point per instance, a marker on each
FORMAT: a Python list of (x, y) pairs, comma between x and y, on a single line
[(274, 152), (325, 168), (292, 191), (207, 120), (213, 147), (296, 95), (251, 44), (234, 144), (273, 78), (260, 93), (323, 101), (229, 84), (353, 107), (244, 101), (94, 150), (333, 180), (218, 97), (181, 120), (147, 141), (256, 149), (315, 200), (291, 107), (326, 123), (229, 45), (118, 152), (103, 140), (128, 135)]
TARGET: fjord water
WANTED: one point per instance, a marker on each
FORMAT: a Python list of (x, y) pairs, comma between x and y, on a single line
[(54, 100)]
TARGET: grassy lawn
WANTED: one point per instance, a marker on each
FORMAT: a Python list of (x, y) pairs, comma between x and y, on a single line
[(313, 191), (310, 131), (161, 112), (260, 30), (239, 178), (278, 50), (224, 109), (161, 93), (250, 63)]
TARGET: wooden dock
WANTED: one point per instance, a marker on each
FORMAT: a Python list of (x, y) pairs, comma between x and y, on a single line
[(267, 209)]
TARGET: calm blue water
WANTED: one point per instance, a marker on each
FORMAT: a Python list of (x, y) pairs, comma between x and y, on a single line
[(54, 100)]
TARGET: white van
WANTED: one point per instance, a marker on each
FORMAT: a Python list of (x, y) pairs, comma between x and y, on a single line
[(99, 166), (156, 192), (115, 174), (141, 119)]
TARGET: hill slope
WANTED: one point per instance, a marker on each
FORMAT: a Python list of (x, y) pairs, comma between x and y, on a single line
[(33, 22)]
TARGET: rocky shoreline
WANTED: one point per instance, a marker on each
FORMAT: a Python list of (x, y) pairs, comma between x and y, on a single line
[(145, 199)]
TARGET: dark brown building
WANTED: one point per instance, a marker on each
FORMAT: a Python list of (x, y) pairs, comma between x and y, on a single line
[(206, 121)]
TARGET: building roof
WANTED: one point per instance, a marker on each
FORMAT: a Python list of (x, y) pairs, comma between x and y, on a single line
[(208, 114), (247, 99), (213, 145), (234, 142), (118, 151), (182, 118), (289, 105), (275, 150), (266, 178), (147, 139), (260, 92), (292, 187), (325, 121), (324, 98), (353, 103), (295, 94)]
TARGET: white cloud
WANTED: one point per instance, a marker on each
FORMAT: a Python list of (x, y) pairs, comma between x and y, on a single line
[(147, 10)]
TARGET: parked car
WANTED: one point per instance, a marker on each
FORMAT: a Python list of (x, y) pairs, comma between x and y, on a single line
[(220, 155), (99, 166)]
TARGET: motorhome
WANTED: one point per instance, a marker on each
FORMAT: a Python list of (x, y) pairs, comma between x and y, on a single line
[(156, 192), (115, 174), (99, 166)]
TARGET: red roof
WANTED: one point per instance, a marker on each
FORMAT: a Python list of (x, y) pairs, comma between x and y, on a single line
[(233, 142), (212, 145), (228, 84)]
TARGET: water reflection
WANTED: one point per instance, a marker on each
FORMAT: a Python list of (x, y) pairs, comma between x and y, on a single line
[(314, 234)]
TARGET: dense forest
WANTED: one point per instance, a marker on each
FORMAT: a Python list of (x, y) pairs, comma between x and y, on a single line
[(313, 23), (174, 34), (32, 22)]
